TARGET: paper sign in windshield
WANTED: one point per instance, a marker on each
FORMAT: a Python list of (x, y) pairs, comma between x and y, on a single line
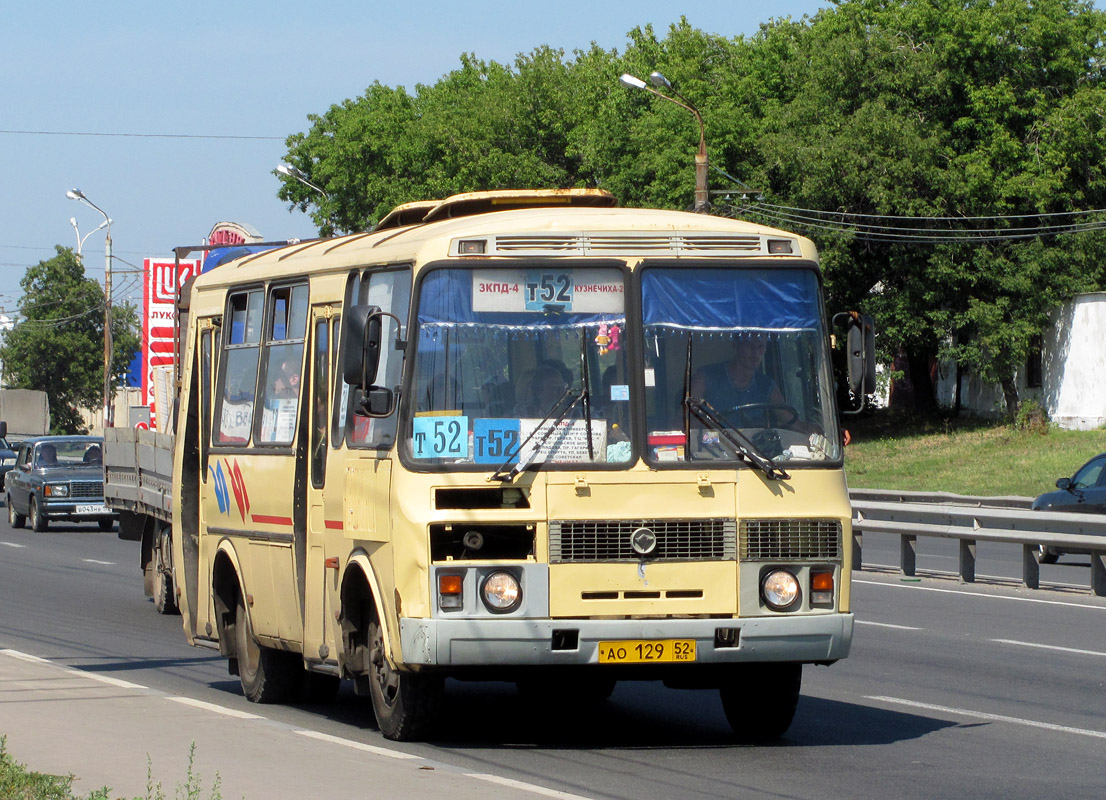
[(580, 291)]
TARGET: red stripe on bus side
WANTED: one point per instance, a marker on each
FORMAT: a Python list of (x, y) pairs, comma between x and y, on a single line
[(264, 519), (334, 524)]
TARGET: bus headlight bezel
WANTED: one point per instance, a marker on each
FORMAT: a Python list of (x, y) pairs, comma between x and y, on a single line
[(780, 590), (501, 592)]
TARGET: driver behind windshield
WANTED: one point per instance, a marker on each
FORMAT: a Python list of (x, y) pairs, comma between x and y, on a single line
[(730, 385)]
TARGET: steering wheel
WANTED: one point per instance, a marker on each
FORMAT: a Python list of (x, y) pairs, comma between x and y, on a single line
[(749, 409)]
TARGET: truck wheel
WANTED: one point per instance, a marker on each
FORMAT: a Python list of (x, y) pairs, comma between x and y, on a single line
[(267, 675), (404, 702), (39, 523), (164, 590), (760, 700), (16, 519)]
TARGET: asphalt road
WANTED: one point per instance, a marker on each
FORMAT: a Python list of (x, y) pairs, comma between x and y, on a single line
[(986, 691)]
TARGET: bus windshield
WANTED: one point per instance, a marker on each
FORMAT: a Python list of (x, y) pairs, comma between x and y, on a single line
[(521, 366), (736, 360)]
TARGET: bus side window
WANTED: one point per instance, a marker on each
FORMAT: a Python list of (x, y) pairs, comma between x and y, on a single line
[(390, 290), (283, 359), (238, 376), (320, 382)]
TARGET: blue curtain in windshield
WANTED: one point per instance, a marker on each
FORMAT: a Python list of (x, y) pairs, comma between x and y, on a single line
[(730, 299)]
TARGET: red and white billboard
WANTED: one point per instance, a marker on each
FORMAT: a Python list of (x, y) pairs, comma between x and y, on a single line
[(164, 277)]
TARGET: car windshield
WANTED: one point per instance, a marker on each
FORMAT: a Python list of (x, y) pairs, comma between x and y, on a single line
[(521, 366), (736, 367), (68, 453), (1089, 474)]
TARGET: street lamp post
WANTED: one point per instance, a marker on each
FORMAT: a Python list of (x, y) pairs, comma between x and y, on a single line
[(82, 239), (702, 197), (109, 415), (299, 175)]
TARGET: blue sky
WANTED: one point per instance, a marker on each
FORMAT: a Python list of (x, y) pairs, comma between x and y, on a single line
[(257, 70)]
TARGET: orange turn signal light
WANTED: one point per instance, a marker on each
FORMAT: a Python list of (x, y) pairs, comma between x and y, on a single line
[(822, 582), (449, 584)]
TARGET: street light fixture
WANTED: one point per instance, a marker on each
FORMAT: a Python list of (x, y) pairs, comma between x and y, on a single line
[(291, 172), (82, 239), (702, 202), (77, 194)]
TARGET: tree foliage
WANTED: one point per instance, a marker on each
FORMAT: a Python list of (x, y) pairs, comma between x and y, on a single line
[(947, 110), (58, 347)]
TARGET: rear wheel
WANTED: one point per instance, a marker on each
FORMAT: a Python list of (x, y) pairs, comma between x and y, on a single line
[(267, 675), (39, 523), (164, 592), (16, 519), (404, 702), (760, 700)]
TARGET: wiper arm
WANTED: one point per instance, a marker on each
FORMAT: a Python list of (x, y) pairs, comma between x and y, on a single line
[(742, 445), (552, 417)]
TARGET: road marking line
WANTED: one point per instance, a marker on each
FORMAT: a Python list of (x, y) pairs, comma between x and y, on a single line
[(122, 684), (101, 563), (1073, 650), (888, 625), (228, 712), (367, 748), (917, 588), (12, 544), (1029, 723), (528, 787), (25, 657)]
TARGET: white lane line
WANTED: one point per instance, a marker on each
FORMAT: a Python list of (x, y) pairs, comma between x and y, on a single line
[(887, 625), (12, 544), (963, 712), (101, 563), (226, 712), (122, 684), (367, 748), (26, 657), (1072, 650), (528, 787), (915, 587)]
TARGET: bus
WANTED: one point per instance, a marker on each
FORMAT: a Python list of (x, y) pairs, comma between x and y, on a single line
[(521, 436)]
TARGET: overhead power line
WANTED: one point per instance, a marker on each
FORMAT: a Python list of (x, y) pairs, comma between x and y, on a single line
[(143, 135)]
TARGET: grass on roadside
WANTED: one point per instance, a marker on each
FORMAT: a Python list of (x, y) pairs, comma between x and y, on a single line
[(17, 783), (973, 457)]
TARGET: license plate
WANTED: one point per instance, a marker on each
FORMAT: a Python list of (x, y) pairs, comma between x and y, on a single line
[(655, 651), (90, 508)]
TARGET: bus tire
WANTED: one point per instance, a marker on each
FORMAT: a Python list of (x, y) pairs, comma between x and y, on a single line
[(405, 703), (267, 675), (760, 700), (164, 590), (16, 519)]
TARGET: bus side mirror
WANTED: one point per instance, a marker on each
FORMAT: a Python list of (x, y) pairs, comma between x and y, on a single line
[(361, 346), (860, 357)]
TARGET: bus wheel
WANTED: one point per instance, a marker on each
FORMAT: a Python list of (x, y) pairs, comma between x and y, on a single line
[(267, 675), (760, 700), (404, 702), (164, 592)]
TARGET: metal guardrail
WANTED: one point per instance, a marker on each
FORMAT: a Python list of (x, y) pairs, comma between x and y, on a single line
[(974, 519)]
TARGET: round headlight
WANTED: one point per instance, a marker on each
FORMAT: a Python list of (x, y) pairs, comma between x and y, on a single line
[(780, 589), (501, 592)]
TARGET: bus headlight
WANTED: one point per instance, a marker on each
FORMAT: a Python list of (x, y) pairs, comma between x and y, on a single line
[(780, 590), (501, 592)]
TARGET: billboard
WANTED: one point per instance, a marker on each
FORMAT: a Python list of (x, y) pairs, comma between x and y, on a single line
[(164, 277)]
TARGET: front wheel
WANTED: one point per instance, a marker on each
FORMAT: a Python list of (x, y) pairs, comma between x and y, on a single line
[(760, 699), (15, 519), (39, 523), (404, 702), (164, 591), (267, 675)]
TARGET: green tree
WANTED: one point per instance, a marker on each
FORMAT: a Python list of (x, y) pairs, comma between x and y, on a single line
[(58, 347)]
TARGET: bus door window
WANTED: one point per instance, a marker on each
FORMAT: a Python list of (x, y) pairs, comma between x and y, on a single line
[(205, 398), (287, 328), (320, 382), (390, 290), (234, 418)]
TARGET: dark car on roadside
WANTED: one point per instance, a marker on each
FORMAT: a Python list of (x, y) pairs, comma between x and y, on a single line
[(1084, 492), (58, 478)]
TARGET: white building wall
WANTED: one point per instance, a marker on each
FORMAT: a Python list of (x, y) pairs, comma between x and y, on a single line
[(1074, 364)]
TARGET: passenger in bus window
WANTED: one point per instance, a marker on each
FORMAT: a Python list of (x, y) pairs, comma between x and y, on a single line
[(287, 381), (542, 390)]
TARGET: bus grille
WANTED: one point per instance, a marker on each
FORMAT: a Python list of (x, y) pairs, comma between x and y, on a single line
[(86, 489), (790, 539), (594, 244), (583, 541)]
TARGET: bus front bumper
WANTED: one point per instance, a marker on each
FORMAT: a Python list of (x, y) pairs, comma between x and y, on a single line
[(814, 638)]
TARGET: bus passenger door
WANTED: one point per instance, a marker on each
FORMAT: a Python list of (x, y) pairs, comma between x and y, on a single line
[(321, 576)]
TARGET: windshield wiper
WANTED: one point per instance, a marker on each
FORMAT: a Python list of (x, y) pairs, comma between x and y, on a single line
[(738, 442), (552, 417)]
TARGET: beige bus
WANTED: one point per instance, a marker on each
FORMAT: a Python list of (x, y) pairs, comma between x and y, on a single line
[(515, 436)]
